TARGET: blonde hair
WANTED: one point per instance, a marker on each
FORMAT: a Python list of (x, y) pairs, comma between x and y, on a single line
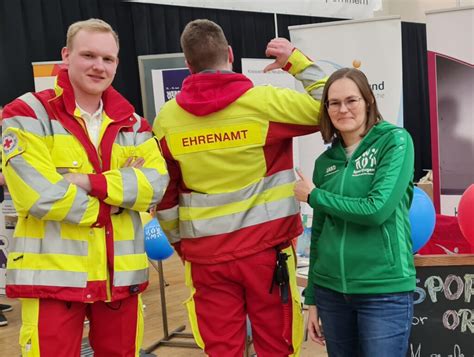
[(92, 25)]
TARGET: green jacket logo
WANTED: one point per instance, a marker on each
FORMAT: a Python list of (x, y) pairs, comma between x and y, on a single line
[(365, 164), (331, 170)]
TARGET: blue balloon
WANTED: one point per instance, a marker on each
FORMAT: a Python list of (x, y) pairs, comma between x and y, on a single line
[(157, 246), (422, 219)]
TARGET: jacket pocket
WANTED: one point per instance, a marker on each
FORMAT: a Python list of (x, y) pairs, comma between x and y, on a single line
[(388, 246), (27, 337), (66, 160)]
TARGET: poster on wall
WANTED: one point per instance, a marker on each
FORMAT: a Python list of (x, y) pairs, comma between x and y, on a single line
[(155, 88), (8, 219), (253, 69), (44, 74), (451, 88), (167, 84), (374, 46)]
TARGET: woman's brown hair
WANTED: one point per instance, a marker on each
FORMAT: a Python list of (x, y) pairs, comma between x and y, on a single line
[(328, 131)]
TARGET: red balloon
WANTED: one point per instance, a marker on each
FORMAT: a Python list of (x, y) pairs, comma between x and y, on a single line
[(466, 214)]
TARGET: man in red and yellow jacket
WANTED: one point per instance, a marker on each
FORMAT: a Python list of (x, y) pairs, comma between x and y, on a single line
[(229, 210), (80, 166)]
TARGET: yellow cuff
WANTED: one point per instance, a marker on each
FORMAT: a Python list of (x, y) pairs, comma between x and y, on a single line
[(297, 62)]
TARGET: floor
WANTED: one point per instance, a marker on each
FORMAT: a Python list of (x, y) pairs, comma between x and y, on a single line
[(176, 293)]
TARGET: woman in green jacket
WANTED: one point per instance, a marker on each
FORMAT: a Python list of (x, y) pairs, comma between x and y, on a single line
[(362, 274)]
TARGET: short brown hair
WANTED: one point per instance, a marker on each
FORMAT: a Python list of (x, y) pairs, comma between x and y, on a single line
[(328, 131), (92, 25), (204, 45)]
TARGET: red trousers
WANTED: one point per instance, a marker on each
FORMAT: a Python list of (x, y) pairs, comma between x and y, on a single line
[(224, 294), (53, 328)]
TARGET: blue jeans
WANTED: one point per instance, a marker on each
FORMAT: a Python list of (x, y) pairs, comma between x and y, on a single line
[(365, 325)]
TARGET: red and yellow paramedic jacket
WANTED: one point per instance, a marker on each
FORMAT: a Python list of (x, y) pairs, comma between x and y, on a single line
[(228, 147), (66, 244)]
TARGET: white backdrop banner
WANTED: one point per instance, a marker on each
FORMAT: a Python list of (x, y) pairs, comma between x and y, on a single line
[(349, 9), (253, 69), (373, 46)]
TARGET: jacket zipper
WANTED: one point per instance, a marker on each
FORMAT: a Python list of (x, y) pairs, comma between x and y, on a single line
[(343, 240)]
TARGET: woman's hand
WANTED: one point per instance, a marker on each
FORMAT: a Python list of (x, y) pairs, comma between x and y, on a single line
[(303, 187), (315, 330)]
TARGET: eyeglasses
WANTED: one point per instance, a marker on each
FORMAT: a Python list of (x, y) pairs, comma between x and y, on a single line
[(350, 103)]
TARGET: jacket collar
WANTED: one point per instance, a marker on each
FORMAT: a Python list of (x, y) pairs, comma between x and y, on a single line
[(115, 105)]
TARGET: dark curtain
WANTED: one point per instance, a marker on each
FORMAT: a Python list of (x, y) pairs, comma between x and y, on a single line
[(35, 30), (415, 93), (292, 20), (158, 29)]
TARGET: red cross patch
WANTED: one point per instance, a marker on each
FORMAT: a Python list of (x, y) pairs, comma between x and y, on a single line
[(10, 142)]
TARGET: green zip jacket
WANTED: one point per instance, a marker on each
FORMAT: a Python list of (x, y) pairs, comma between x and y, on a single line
[(361, 236)]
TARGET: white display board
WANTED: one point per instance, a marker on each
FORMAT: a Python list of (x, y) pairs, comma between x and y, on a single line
[(151, 69), (253, 69), (354, 9), (373, 46)]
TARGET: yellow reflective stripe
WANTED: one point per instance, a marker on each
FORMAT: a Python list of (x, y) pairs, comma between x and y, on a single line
[(169, 214), (140, 326), (208, 199), (169, 225), (169, 222), (191, 307), (141, 193), (25, 196), (91, 213), (298, 320), (316, 85), (130, 262), (33, 261), (214, 138), (59, 209), (114, 187), (145, 192), (36, 277), (270, 195), (131, 277), (29, 337)]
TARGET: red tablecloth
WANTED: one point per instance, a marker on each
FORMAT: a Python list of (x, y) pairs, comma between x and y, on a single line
[(447, 238)]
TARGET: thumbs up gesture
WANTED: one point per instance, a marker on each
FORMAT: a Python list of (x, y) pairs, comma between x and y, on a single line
[(281, 49), (303, 186)]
